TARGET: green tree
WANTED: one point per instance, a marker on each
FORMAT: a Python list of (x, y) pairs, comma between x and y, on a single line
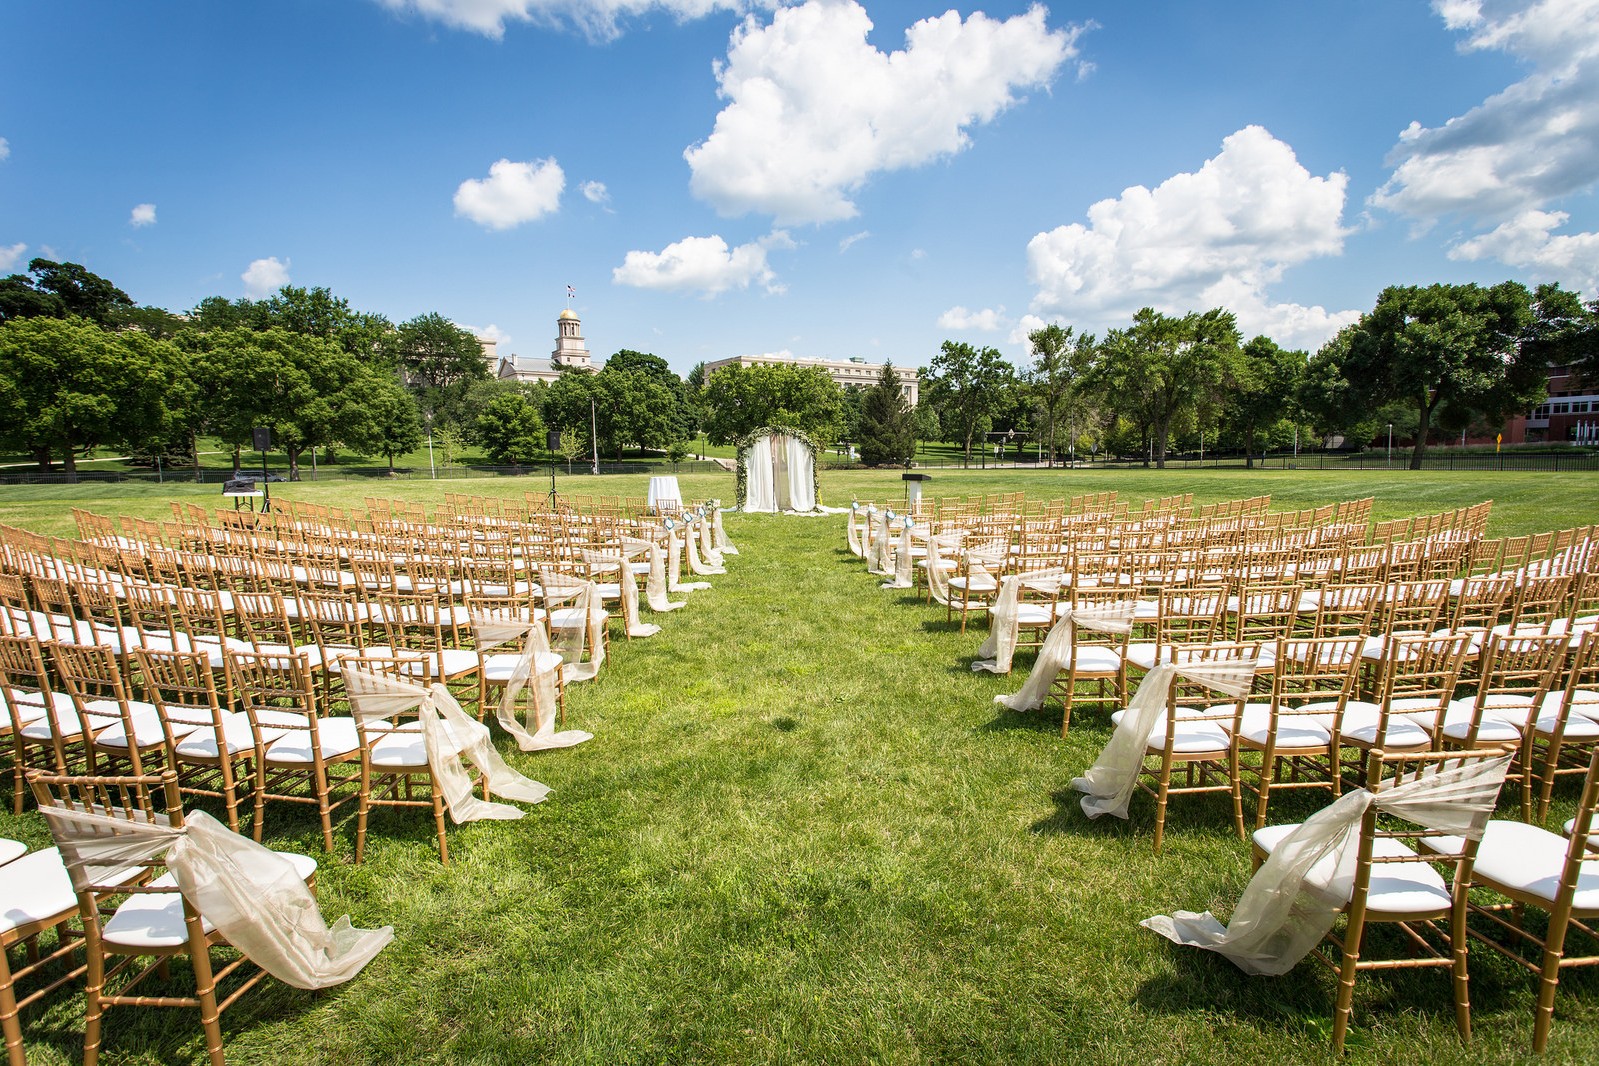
[(968, 386), (741, 399), (1450, 352), (433, 353), (62, 290), (67, 385), (1261, 384), (1159, 370), (1052, 381), (511, 430), (888, 431), (386, 422)]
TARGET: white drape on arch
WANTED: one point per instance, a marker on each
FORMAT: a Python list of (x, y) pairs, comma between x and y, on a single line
[(760, 494), (779, 475)]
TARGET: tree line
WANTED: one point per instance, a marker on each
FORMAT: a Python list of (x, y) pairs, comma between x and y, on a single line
[(81, 366), (1431, 362)]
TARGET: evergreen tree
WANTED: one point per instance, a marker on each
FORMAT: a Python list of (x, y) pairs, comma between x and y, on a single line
[(887, 429)]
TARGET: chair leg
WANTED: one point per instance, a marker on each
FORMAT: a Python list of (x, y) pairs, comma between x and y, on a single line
[(1457, 949), (205, 993), (1346, 987), (438, 820), (10, 1023), (1549, 981), (94, 1010)]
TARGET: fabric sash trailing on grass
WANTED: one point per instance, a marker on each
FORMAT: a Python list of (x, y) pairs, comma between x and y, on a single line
[(450, 734), (1280, 916), (877, 550), (627, 586), (903, 559), (675, 551), (1004, 619), (708, 549), (577, 623), (691, 538), (251, 894), (655, 585), (536, 730), (723, 543), (852, 533), (1108, 785), (1057, 651)]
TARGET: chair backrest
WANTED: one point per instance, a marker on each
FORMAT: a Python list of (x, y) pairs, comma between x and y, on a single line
[(138, 799), (279, 688), (1311, 671), (1421, 668), (183, 688), (1518, 671)]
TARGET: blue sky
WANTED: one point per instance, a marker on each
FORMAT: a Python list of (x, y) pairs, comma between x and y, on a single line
[(719, 178)]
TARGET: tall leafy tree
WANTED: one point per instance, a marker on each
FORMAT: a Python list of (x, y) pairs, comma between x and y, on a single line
[(1452, 353), (1260, 387), (968, 385), (62, 290), (510, 429), (1159, 370), (67, 385), (1052, 380), (887, 428), (385, 422), (741, 399), (433, 353)]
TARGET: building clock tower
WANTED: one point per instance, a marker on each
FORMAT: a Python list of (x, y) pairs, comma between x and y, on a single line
[(569, 350)]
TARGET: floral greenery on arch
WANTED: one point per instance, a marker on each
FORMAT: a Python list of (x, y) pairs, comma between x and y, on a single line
[(742, 444)]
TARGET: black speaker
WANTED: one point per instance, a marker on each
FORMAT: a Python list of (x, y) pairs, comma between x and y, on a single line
[(552, 440), (262, 438)]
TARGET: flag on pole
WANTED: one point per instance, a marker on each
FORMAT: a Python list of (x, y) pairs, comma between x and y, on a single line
[(571, 293)]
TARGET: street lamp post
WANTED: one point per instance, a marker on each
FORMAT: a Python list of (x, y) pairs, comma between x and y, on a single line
[(433, 471), (1390, 461)]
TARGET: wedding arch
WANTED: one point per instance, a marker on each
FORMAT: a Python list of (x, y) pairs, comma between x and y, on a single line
[(777, 471)]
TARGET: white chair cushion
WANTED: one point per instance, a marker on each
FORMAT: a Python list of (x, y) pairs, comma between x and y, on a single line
[(1395, 887), (11, 850), (35, 888), (336, 737), (1192, 738), (401, 749), (497, 669), (1530, 859), (154, 920), (1361, 720), (146, 731), (1293, 730), (1096, 659), (29, 706), (1141, 656)]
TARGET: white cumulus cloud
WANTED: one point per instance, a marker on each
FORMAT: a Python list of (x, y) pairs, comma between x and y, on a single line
[(1220, 236), (143, 215), (815, 110), (597, 18), (10, 257), (846, 243), (703, 264), (1504, 164), (1529, 241), (595, 192), (490, 332), (5, 149), (263, 277), (512, 194), (988, 320)]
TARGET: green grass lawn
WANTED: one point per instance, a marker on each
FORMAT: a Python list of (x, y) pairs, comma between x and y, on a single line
[(804, 833)]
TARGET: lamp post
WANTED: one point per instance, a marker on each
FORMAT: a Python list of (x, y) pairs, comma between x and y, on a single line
[(1390, 461), (433, 471), (594, 435)]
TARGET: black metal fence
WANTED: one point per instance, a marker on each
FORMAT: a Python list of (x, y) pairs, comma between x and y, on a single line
[(1550, 462), (339, 472)]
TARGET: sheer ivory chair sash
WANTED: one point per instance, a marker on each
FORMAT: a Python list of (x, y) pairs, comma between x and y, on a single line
[(573, 641), (1004, 619), (674, 564), (937, 572), (448, 733), (628, 584), (691, 540), (1056, 653), (655, 585), (852, 533), (538, 732), (903, 559), (708, 549), (251, 894), (1280, 918), (877, 551), (724, 544), (1108, 784)]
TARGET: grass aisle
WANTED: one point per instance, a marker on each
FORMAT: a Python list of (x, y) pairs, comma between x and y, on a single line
[(804, 833)]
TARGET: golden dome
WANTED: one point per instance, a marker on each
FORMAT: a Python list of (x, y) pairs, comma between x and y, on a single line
[(568, 313)]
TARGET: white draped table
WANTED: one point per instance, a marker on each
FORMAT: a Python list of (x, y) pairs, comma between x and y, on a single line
[(663, 488)]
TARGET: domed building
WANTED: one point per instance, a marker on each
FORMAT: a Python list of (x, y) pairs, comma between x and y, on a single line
[(569, 353)]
